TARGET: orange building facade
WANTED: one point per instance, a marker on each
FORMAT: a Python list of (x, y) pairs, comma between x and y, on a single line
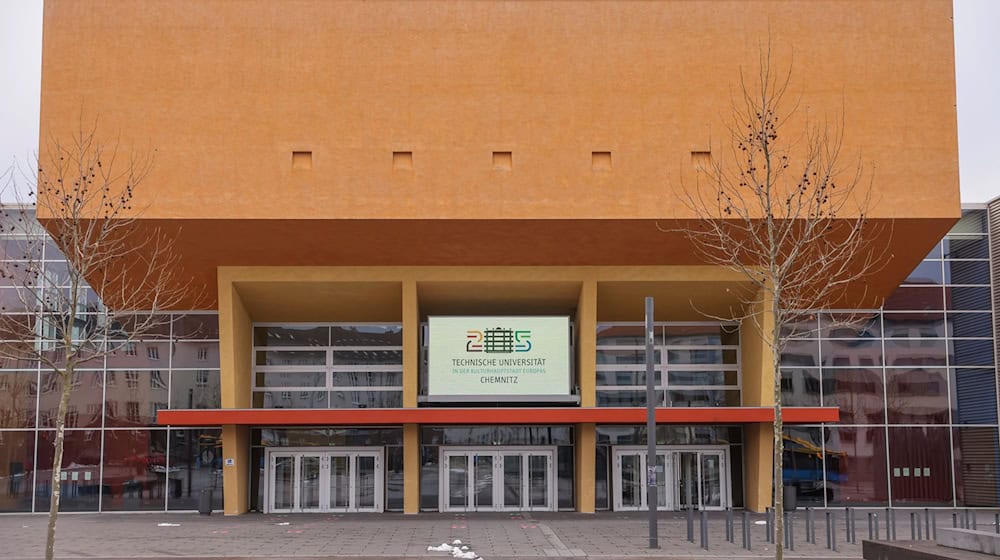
[(388, 202)]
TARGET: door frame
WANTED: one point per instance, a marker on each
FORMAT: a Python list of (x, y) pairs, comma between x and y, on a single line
[(325, 454), (497, 453), (672, 456)]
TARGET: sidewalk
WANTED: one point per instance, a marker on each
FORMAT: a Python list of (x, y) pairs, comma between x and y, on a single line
[(605, 536)]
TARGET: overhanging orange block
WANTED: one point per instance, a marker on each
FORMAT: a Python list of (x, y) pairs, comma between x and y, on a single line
[(462, 416)]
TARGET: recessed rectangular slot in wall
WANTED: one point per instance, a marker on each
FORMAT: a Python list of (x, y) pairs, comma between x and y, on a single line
[(302, 160), (600, 161), (701, 160), (503, 161), (402, 160)]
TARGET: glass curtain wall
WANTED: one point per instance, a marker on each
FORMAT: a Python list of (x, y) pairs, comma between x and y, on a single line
[(915, 383), (116, 457)]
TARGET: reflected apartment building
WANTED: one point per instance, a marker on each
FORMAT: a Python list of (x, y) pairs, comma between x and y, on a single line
[(426, 230)]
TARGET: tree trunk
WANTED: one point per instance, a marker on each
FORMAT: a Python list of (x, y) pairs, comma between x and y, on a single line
[(779, 440), (50, 536)]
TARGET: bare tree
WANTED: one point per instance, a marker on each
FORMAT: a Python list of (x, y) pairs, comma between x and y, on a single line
[(118, 275), (789, 215)]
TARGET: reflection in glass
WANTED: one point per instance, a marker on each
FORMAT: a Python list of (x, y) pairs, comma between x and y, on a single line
[(967, 298), (291, 335), (81, 466), (802, 464), (458, 481), (711, 480), (18, 390), (195, 466), (340, 481), (855, 466), (915, 299), (977, 482), (483, 481), (512, 479), (308, 482), (284, 481), (632, 481), (919, 466), (195, 389), (17, 476), (135, 469), (365, 485), (800, 387), (967, 272), (538, 481), (917, 395), (857, 392)]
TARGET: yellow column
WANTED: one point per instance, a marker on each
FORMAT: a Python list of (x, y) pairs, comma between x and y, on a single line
[(236, 477), (411, 468), (758, 390), (411, 344), (586, 366), (586, 343), (586, 445), (235, 348)]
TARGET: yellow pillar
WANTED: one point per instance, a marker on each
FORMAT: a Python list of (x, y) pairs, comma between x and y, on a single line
[(235, 477), (758, 390), (411, 344), (586, 449), (586, 343), (411, 468), (235, 348)]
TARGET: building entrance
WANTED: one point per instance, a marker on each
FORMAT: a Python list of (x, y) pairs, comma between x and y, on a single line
[(512, 479), (696, 477), (324, 480)]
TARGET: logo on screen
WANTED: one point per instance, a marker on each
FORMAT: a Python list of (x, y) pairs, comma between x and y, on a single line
[(498, 341)]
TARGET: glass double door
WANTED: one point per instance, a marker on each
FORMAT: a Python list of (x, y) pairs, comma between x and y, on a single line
[(498, 480), (324, 480), (686, 478)]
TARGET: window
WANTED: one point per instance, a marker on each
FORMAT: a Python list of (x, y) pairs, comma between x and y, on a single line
[(156, 380), (201, 378), (132, 379), (153, 352), (202, 354)]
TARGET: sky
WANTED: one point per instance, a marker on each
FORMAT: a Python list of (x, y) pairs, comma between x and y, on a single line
[(977, 52)]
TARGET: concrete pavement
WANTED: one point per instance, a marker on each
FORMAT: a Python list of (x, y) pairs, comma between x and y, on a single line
[(605, 536)]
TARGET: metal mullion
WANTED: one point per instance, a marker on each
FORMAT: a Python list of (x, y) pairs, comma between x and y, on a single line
[(170, 381)]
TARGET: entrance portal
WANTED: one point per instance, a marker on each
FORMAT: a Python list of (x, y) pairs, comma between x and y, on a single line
[(687, 476), (324, 480), (513, 479)]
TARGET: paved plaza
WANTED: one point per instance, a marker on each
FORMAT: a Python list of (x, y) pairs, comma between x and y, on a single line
[(606, 536)]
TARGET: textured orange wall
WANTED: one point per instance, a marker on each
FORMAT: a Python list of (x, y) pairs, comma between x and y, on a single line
[(226, 91)]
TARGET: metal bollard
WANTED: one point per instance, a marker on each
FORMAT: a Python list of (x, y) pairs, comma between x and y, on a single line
[(690, 513), (729, 526), (871, 532), (966, 519), (888, 525), (996, 522), (927, 522), (975, 526), (933, 526), (833, 530), (829, 533), (848, 521), (768, 526), (892, 516), (954, 520), (746, 530), (914, 523), (810, 529), (876, 525), (704, 529), (790, 532)]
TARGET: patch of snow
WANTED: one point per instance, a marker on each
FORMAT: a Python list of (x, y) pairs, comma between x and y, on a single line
[(443, 547), (168, 524), (283, 523), (760, 522), (456, 542)]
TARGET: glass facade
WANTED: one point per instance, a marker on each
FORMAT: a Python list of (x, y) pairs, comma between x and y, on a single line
[(697, 364), (916, 386), (115, 457), (915, 383)]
